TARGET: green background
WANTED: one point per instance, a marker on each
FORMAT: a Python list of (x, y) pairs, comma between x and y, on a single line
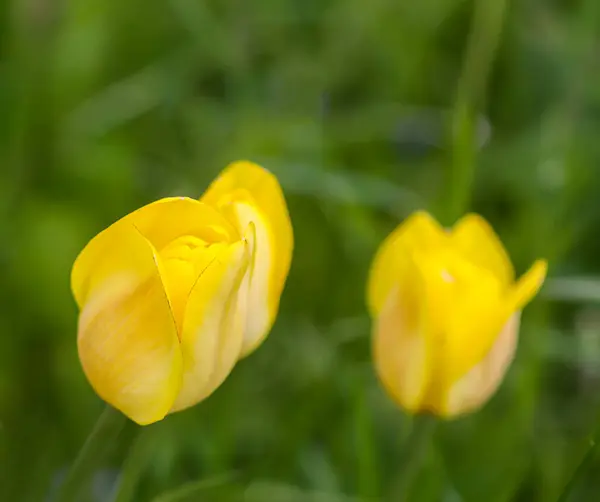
[(365, 110)]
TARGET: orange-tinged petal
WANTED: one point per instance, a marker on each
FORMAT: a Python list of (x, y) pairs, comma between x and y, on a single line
[(401, 347), (472, 390), (127, 338), (213, 325), (418, 232), (247, 193), (165, 220), (476, 240)]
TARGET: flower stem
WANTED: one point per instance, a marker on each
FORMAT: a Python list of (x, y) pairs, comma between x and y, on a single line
[(488, 18), (107, 428), (367, 472), (582, 469), (137, 459), (414, 452)]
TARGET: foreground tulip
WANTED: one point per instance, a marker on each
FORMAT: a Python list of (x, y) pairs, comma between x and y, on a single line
[(446, 309), (174, 294)]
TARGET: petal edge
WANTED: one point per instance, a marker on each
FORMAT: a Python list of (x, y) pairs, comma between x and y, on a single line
[(127, 340)]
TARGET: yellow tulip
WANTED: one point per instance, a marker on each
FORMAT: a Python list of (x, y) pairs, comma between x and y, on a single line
[(172, 295), (446, 309)]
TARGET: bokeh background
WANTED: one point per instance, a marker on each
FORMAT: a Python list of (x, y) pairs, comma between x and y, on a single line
[(365, 110)]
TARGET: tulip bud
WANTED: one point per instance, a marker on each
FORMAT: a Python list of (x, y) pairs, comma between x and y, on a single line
[(174, 294), (445, 308)]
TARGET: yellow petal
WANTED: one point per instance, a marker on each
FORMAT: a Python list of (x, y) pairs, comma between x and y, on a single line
[(127, 338), (165, 220), (181, 262), (263, 300), (401, 349), (418, 232), (468, 310), (528, 285), (213, 325), (249, 193), (476, 240), (472, 390)]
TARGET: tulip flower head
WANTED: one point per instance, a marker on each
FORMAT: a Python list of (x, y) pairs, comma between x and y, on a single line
[(172, 295), (446, 309)]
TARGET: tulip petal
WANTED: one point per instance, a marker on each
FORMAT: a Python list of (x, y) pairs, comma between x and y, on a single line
[(250, 193), (481, 382), (127, 338), (466, 311), (401, 347), (477, 316), (213, 325), (528, 285), (476, 240), (476, 386), (419, 232), (262, 302), (165, 220)]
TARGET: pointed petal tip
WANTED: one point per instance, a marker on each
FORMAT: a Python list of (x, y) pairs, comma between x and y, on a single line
[(537, 273), (529, 284)]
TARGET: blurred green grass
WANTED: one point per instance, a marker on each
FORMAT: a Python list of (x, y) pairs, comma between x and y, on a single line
[(107, 105)]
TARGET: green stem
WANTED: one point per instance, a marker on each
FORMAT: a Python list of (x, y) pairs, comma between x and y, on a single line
[(488, 18), (107, 428), (367, 472), (135, 463), (414, 453), (582, 469)]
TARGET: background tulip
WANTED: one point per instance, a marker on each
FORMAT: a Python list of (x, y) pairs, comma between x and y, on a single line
[(446, 313), (172, 295)]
